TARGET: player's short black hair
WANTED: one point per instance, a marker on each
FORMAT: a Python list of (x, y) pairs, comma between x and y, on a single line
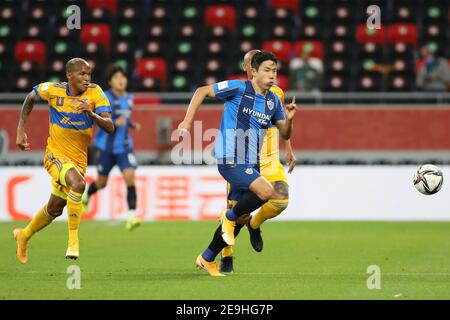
[(262, 56), (112, 70)]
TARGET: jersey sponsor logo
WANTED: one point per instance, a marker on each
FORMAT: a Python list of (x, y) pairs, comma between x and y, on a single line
[(222, 85), (262, 117), (66, 120)]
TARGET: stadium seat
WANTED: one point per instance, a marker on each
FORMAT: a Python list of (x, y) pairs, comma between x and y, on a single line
[(31, 50), (96, 33), (181, 82), (369, 81), (404, 11), (281, 48), (147, 84), (221, 15), (97, 15), (249, 31), (155, 48), (287, 4), (36, 31), (152, 68), (340, 30), (316, 48), (251, 13), (217, 33), (402, 32), (434, 11), (336, 81), (400, 81), (279, 31), (313, 12), (110, 5), (364, 35), (6, 31), (312, 31), (369, 50)]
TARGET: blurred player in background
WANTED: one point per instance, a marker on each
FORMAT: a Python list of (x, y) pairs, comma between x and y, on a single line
[(117, 149), (74, 108), (270, 168), (250, 109)]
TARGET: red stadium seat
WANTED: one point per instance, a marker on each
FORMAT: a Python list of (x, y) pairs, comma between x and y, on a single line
[(99, 33), (287, 4), (237, 76), (152, 67), (281, 48), (364, 35), (31, 50), (402, 32), (282, 82), (221, 15), (316, 47), (110, 5)]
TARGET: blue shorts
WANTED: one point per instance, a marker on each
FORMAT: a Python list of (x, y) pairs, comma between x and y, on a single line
[(239, 176), (107, 160)]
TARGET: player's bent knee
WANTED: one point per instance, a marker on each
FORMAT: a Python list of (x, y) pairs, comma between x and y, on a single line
[(78, 186), (280, 205), (266, 194)]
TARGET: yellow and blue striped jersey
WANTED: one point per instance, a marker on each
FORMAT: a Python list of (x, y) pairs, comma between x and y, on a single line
[(70, 130)]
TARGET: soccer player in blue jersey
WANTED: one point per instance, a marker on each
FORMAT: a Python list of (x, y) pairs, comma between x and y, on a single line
[(117, 149), (250, 109)]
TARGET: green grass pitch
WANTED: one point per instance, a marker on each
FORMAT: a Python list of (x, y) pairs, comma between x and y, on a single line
[(300, 260)]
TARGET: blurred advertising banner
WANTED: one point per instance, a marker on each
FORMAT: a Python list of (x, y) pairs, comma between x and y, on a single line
[(346, 128), (198, 193)]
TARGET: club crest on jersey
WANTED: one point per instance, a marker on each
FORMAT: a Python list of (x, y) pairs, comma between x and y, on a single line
[(270, 104), (249, 171)]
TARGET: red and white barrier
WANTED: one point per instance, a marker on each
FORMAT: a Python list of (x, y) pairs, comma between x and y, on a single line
[(198, 193)]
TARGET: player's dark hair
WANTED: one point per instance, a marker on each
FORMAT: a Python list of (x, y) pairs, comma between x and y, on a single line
[(262, 56), (112, 70)]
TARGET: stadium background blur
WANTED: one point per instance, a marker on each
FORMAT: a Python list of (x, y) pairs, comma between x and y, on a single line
[(362, 107)]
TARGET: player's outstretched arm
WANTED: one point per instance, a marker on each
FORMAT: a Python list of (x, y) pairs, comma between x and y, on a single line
[(285, 126), (103, 120), (196, 101), (27, 107)]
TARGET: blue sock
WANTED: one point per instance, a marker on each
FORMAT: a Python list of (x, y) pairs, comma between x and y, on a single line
[(231, 215), (209, 255)]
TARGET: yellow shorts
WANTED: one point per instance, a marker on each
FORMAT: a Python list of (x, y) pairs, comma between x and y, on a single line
[(272, 171), (57, 166)]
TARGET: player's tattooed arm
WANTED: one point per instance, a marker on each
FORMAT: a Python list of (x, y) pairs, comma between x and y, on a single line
[(27, 107), (196, 101)]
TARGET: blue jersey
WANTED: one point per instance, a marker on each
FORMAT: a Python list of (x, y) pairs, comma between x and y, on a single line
[(245, 120), (119, 141)]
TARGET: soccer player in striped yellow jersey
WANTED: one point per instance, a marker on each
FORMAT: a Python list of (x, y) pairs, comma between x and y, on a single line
[(75, 107), (272, 169)]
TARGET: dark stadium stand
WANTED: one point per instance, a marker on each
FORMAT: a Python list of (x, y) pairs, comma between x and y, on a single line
[(177, 45)]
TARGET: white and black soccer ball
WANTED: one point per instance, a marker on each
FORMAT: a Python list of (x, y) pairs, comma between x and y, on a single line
[(428, 179)]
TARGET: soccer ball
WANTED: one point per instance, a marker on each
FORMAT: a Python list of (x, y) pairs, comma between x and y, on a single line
[(428, 179)]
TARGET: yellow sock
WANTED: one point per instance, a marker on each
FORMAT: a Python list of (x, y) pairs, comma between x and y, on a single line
[(39, 221), (227, 251), (74, 215), (269, 210)]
